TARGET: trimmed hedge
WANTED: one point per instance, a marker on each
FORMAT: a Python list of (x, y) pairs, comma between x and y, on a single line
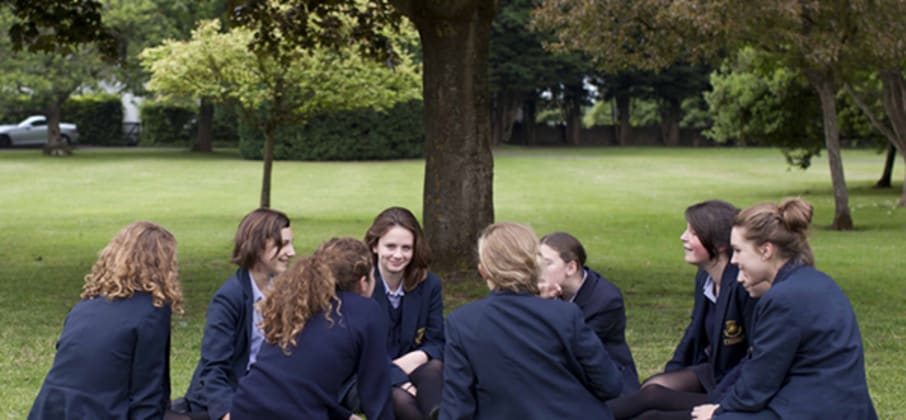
[(166, 123), (358, 134), (99, 118)]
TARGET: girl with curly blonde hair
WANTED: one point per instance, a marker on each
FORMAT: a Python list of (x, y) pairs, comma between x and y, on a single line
[(113, 356), (321, 327)]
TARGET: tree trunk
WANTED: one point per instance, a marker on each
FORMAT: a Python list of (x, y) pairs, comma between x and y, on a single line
[(504, 108), (204, 140), (625, 130), (894, 93), (887, 175), (55, 145), (459, 166), (269, 134), (823, 84), (573, 122), (530, 131), (670, 119)]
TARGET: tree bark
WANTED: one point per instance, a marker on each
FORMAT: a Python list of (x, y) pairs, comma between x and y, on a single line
[(823, 84), (459, 166), (670, 119), (625, 130), (887, 175), (530, 109), (55, 145), (204, 138), (893, 87), (573, 122), (269, 134)]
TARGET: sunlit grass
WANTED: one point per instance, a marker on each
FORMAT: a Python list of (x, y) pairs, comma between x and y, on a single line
[(625, 205)]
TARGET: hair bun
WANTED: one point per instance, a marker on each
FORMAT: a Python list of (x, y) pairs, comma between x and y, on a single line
[(795, 213)]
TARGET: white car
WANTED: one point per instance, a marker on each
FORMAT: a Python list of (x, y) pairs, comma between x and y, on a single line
[(33, 131)]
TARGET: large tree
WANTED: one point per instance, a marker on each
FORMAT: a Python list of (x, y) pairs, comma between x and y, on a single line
[(816, 38), (458, 198), (272, 92)]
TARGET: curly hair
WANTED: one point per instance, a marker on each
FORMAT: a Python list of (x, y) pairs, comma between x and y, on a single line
[(310, 286), (140, 258), (509, 254), (417, 270)]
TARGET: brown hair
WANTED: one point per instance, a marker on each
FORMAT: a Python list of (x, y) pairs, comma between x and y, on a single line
[(310, 286), (712, 222), (509, 254), (417, 270), (140, 258), (785, 225), (569, 248), (252, 235)]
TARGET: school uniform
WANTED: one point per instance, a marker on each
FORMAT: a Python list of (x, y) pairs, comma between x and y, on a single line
[(417, 324), (601, 303), (718, 334), (112, 362), (807, 360), (225, 347), (518, 356), (305, 383)]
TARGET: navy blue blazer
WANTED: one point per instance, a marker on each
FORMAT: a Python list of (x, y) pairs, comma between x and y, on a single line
[(305, 384), (225, 347), (112, 362), (422, 324), (518, 356), (734, 310), (601, 303), (807, 360)]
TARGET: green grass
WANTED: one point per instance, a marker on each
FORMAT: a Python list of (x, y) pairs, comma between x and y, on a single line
[(626, 206)]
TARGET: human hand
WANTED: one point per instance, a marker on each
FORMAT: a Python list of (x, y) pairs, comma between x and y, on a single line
[(704, 411), (549, 290)]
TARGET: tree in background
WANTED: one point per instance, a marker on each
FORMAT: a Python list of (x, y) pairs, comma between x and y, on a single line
[(272, 92)]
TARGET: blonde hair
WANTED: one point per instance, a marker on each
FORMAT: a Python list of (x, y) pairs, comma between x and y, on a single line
[(140, 258), (310, 286), (785, 225), (509, 254)]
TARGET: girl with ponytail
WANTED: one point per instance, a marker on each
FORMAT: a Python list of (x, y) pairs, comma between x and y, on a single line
[(806, 360), (320, 328)]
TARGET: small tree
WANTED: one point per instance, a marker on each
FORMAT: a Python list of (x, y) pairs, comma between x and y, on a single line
[(272, 91)]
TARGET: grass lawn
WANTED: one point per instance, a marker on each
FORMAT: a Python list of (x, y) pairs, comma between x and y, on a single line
[(625, 205)]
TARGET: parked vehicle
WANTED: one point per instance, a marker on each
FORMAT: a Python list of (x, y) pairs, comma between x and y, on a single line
[(32, 131)]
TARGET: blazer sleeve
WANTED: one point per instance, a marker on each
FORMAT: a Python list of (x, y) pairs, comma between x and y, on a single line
[(458, 395), (373, 373), (775, 342), (684, 355), (434, 330), (609, 321), (149, 385), (217, 347), (604, 378)]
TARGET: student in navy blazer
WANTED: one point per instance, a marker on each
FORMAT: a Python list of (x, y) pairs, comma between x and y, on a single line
[(113, 357), (321, 327), (410, 298), (514, 355), (717, 337), (807, 360), (601, 302), (262, 248)]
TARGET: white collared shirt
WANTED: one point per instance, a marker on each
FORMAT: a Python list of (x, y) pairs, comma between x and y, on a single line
[(257, 334), (708, 290), (394, 296)]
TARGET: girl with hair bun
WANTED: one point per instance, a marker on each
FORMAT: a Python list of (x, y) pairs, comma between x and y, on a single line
[(806, 360), (514, 355), (113, 357), (320, 327)]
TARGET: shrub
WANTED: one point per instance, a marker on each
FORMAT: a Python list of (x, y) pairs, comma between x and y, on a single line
[(165, 123), (357, 134), (99, 118)]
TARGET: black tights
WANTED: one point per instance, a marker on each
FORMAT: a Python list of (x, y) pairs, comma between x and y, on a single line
[(428, 380), (666, 396)]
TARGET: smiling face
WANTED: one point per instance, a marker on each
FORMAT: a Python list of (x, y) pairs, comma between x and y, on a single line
[(394, 250), (693, 251), (275, 258), (756, 272)]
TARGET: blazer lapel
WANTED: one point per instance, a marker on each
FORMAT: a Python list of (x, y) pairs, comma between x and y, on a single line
[(723, 306), (411, 306)]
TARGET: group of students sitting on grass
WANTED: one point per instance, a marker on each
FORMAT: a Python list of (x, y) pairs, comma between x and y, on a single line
[(357, 328)]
